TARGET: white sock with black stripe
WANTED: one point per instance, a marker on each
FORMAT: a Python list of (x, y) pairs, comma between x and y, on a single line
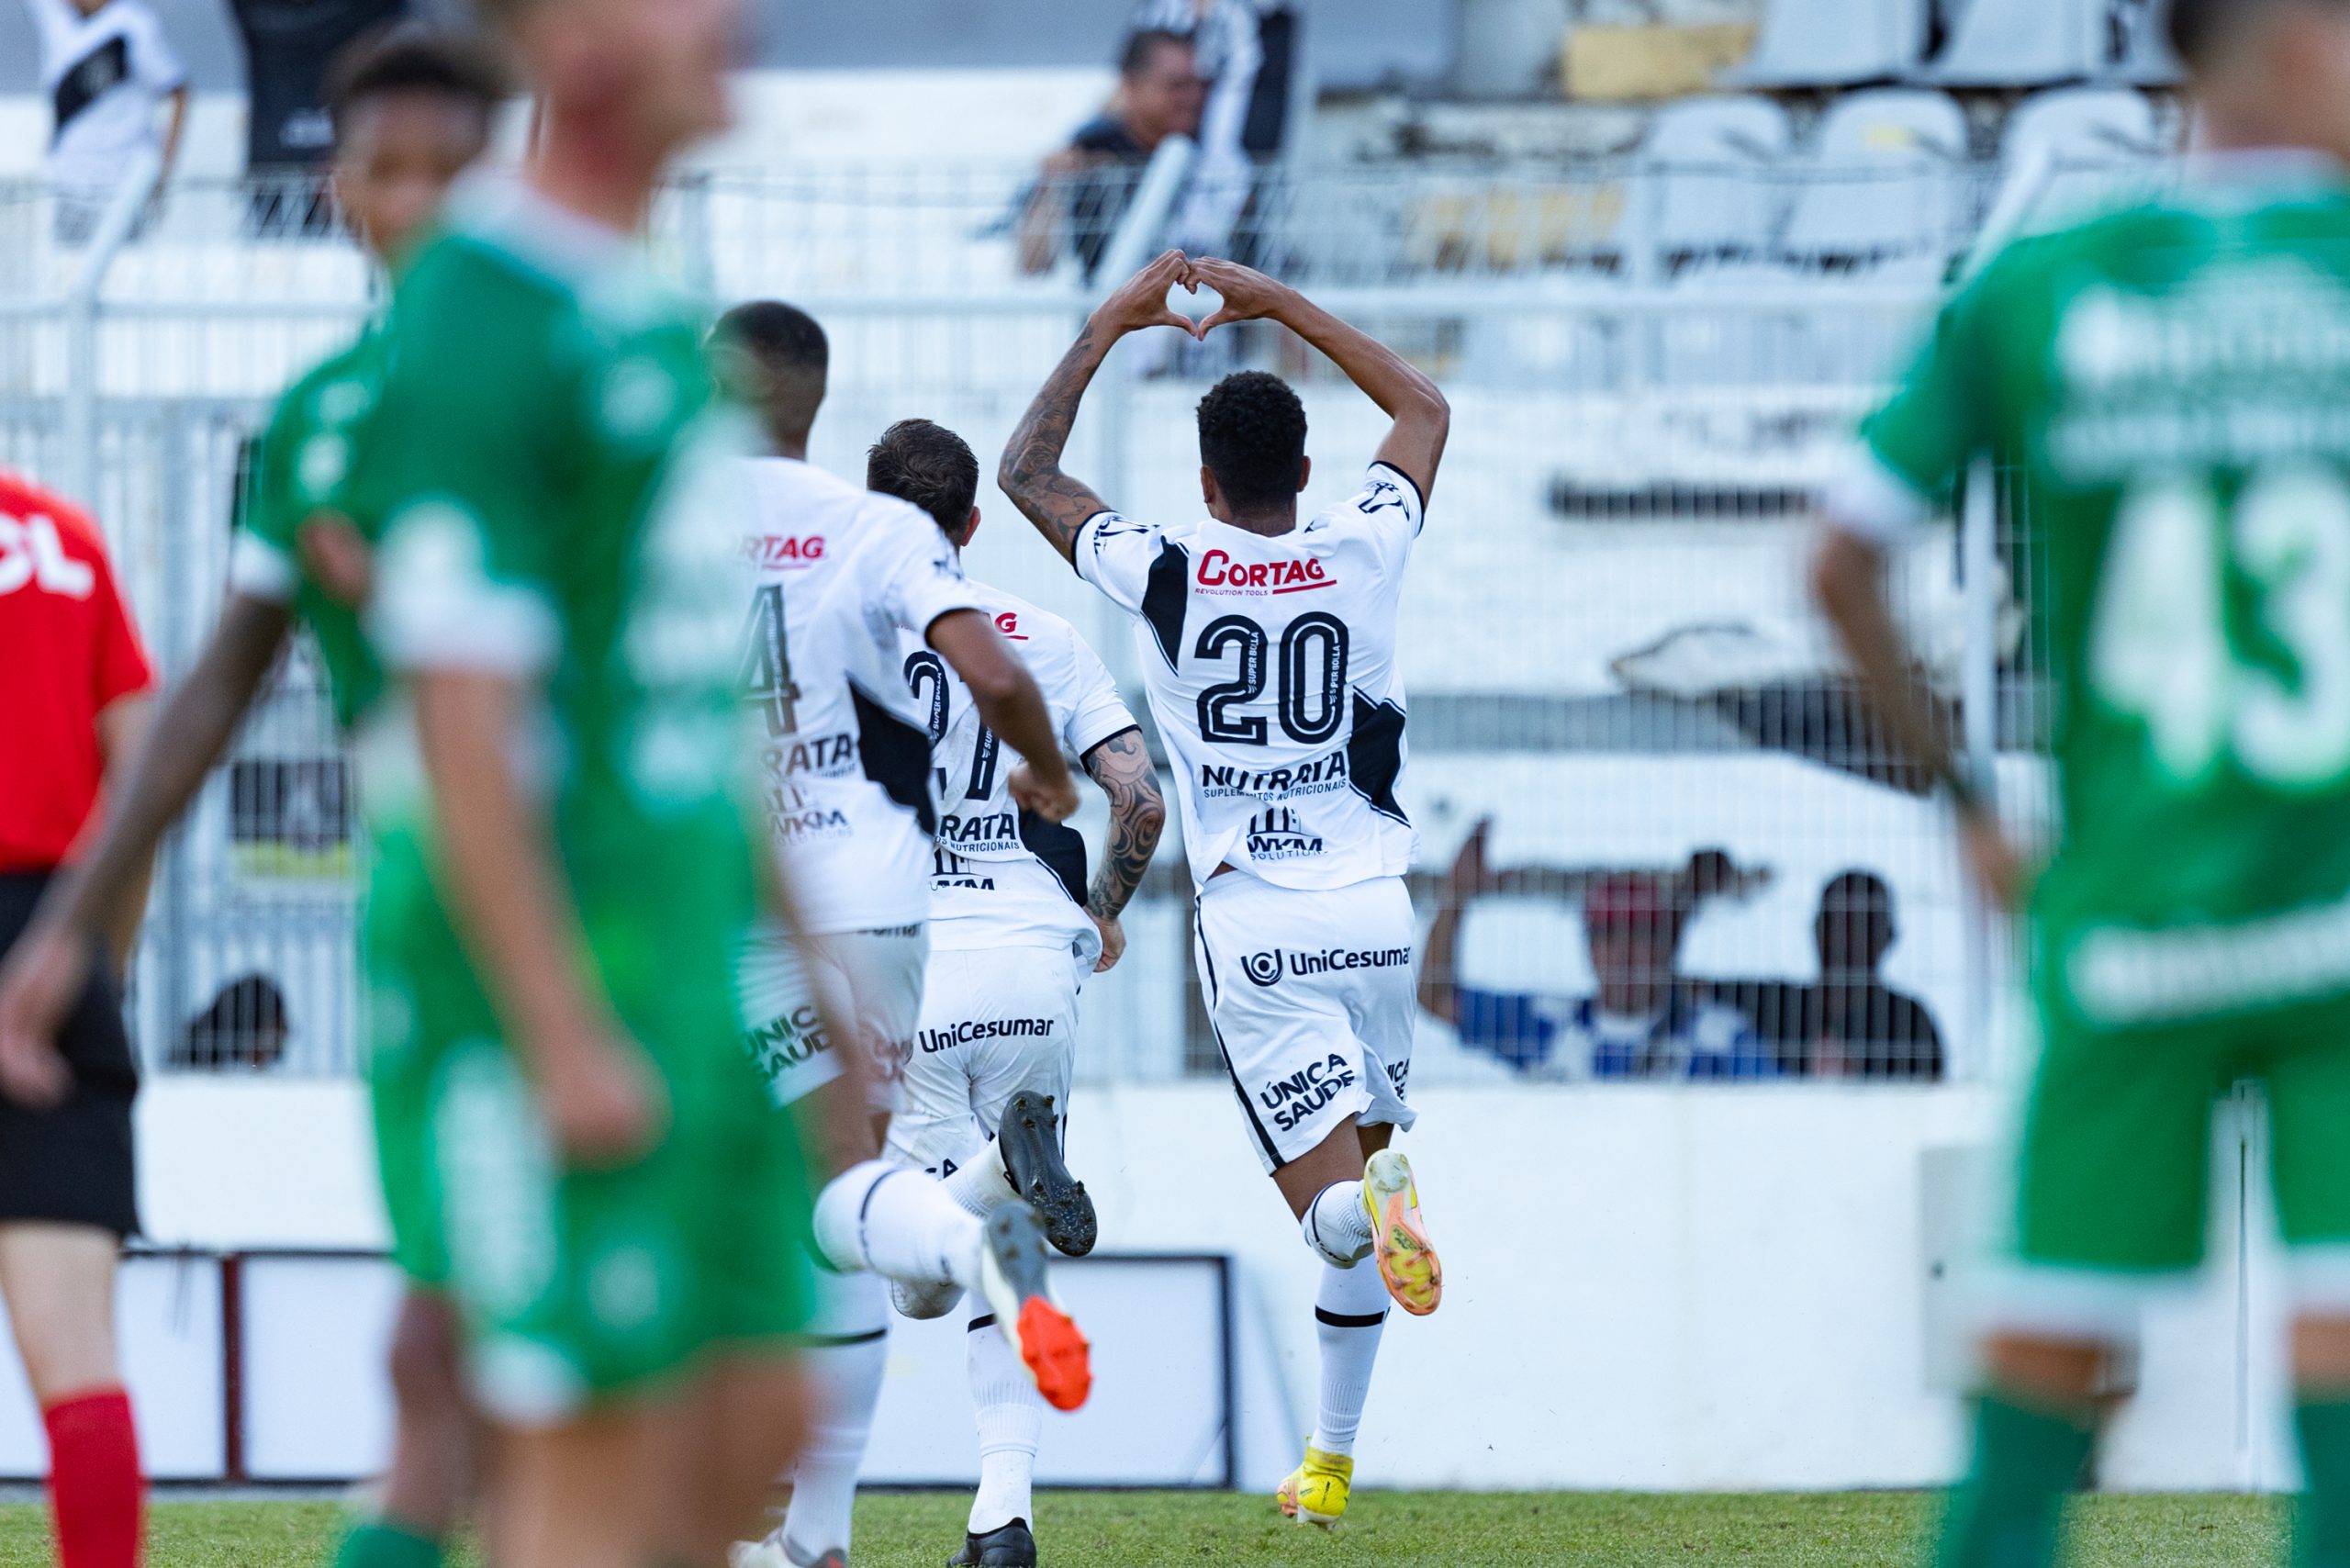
[(981, 1185), (1349, 1312), (1337, 1226), (897, 1223), (1012, 1424), (848, 1349)]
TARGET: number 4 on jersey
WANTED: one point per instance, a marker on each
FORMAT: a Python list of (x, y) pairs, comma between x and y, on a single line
[(2159, 647), (767, 664)]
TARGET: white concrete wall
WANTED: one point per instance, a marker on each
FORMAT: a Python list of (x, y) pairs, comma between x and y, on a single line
[(1647, 1288)]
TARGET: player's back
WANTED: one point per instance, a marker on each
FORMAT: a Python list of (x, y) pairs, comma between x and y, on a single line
[(846, 757), (1002, 876), (1270, 666), (2173, 380)]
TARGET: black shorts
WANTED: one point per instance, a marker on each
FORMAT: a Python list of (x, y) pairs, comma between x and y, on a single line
[(71, 1165)]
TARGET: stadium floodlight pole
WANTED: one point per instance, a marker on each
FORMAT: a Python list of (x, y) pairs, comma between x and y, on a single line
[(80, 414)]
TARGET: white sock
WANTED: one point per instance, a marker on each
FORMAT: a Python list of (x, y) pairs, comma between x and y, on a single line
[(982, 1186), (849, 1348), (1337, 1226), (1012, 1423), (898, 1223), (1350, 1311)]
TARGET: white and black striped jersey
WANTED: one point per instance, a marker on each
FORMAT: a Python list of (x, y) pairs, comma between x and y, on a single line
[(103, 71), (1270, 667), (1001, 877), (839, 576)]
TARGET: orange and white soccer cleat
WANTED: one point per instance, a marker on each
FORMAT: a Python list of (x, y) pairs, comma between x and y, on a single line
[(1011, 1276), (1316, 1492), (1399, 1237)]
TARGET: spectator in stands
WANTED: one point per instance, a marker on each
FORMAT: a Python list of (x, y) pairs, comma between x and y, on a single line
[(1246, 53), (1850, 1024), (245, 1026), (1644, 1022), (107, 66), (1087, 185), (290, 126), (73, 707)]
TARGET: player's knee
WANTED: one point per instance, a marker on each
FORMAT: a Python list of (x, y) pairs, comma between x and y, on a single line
[(424, 1360), (2321, 1348), (2060, 1372)]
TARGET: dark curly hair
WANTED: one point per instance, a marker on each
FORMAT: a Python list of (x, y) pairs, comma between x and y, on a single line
[(930, 467), (409, 57), (1252, 438)]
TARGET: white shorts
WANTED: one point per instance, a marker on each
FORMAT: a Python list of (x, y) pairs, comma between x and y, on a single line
[(1311, 997), (870, 978), (994, 1021)]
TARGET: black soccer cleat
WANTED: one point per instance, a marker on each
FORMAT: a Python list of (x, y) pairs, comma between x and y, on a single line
[(1030, 1144), (1010, 1547)]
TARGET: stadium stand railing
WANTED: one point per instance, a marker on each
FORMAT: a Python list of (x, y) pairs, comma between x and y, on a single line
[(1604, 631)]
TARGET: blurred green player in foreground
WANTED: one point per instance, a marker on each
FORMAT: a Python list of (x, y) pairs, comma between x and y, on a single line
[(2174, 382), (412, 108), (560, 799)]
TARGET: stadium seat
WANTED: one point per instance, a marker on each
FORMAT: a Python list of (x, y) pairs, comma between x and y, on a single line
[(1705, 194), (2021, 43), (1883, 189), (2084, 146), (1834, 43)]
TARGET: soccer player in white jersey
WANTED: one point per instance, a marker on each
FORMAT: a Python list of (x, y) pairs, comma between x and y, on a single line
[(1267, 648), (1014, 930), (840, 575)]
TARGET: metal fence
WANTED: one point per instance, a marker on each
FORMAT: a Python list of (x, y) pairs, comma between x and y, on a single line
[(1604, 632)]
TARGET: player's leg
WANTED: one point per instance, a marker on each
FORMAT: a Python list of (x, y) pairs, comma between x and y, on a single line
[(2112, 1182), (745, 1418), (67, 1199), (2309, 1100), (435, 1444), (58, 1282), (1000, 1532), (579, 1492)]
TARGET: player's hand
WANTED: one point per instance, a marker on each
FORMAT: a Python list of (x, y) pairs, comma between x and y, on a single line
[(1141, 301), (1053, 797), (338, 557), (1247, 294), (1113, 941), (1469, 876), (602, 1100), (1997, 866), (41, 981)]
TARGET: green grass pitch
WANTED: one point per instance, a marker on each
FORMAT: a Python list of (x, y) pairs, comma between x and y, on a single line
[(1390, 1529)]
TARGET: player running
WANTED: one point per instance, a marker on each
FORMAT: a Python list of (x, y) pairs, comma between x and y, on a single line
[(1268, 653), (411, 109), (840, 575), (564, 865), (2169, 379), (1014, 931)]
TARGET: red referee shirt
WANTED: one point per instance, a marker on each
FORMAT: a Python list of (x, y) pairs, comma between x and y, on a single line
[(67, 652)]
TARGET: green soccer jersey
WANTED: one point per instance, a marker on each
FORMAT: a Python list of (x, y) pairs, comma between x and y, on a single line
[(554, 485), (299, 467), (2173, 382)]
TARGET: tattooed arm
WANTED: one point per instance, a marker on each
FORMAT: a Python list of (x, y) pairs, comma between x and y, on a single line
[(1121, 764), (1031, 470)]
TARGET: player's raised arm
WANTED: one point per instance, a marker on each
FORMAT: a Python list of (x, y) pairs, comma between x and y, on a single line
[(1414, 445), (1121, 766), (1031, 471)]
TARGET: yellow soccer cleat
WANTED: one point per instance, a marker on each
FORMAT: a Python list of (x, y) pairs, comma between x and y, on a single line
[(1316, 1492), (1399, 1239)]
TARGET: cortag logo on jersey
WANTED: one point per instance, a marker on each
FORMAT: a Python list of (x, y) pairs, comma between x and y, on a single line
[(1219, 573), (1292, 1099), (1281, 835), (776, 550), (1009, 624), (30, 551)]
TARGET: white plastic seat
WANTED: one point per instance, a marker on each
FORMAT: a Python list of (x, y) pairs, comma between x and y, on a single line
[(2022, 43), (1706, 193), (1834, 43), (2085, 147), (1883, 190)]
